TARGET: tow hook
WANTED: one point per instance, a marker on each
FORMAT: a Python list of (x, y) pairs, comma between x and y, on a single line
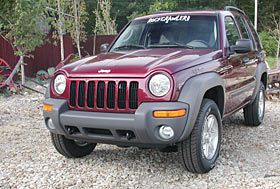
[(70, 130), (129, 136)]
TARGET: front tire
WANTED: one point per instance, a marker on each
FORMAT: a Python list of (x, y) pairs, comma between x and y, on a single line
[(199, 152), (70, 148), (254, 112)]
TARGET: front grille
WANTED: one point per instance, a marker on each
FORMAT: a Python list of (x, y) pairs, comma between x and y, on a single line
[(101, 94)]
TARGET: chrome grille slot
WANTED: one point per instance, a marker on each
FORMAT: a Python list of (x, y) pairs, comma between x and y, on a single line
[(122, 95), (111, 94), (81, 94), (90, 94), (100, 94), (73, 93), (133, 95)]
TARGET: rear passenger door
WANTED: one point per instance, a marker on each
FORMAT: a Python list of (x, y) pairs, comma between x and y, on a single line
[(240, 81)]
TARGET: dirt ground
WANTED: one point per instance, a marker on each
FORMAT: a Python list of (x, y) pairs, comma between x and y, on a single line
[(250, 156)]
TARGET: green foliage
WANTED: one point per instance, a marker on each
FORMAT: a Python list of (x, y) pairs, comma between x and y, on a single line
[(77, 26), (19, 20), (90, 24), (266, 8), (269, 43), (59, 16), (105, 24), (271, 62), (168, 5)]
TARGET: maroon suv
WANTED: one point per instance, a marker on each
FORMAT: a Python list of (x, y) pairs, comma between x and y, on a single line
[(167, 81)]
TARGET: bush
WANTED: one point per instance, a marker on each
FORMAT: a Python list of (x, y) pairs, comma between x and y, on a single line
[(269, 43)]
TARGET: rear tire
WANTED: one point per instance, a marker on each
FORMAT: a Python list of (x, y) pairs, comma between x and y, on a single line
[(199, 152), (70, 148), (254, 112)]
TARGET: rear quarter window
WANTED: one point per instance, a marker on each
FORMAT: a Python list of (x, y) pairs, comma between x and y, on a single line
[(242, 25), (255, 34)]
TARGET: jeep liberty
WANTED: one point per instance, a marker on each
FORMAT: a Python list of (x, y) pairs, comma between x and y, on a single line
[(166, 81)]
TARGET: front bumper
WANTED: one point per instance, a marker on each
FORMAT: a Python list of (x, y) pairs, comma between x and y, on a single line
[(138, 129)]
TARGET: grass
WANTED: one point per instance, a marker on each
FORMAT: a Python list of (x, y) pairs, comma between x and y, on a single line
[(271, 62)]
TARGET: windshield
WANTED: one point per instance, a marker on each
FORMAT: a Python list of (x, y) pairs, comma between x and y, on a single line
[(176, 31)]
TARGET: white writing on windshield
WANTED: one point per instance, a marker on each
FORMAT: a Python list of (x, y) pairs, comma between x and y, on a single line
[(167, 19)]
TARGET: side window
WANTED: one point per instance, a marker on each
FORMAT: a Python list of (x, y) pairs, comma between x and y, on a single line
[(243, 28), (256, 36), (231, 31)]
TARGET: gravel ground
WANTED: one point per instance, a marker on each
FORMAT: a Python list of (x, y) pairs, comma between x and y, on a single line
[(250, 157)]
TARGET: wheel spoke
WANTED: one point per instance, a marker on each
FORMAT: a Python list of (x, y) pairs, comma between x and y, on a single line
[(211, 148), (210, 136), (261, 104), (206, 149), (210, 123)]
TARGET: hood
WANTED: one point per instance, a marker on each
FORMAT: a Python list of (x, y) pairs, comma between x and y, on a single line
[(139, 63)]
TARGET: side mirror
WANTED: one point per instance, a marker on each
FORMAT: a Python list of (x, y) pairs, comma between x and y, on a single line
[(242, 46), (104, 48)]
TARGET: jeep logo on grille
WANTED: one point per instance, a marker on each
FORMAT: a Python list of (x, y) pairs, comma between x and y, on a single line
[(104, 71)]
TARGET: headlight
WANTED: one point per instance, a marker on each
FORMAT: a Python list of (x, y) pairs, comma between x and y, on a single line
[(159, 85), (59, 83)]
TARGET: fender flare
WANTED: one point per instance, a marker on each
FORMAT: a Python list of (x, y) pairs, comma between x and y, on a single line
[(260, 70), (193, 92)]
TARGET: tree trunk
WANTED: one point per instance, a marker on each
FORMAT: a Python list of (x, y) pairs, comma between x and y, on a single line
[(60, 29), (79, 50), (77, 24), (277, 54), (22, 71), (94, 44), (61, 47)]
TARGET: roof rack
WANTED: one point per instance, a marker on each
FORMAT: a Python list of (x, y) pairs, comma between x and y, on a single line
[(158, 12), (228, 8)]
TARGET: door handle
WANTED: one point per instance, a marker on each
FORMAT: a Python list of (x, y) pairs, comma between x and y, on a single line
[(259, 56), (245, 60)]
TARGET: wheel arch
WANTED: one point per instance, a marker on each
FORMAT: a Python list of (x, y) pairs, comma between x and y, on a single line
[(264, 79), (260, 76), (208, 85), (217, 95)]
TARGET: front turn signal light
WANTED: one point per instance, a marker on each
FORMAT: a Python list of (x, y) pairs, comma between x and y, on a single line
[(47, 108), (169, 113)]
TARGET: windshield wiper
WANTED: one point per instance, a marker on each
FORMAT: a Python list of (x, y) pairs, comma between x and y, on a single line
[(182, 45), (130, 47), (168, 45)]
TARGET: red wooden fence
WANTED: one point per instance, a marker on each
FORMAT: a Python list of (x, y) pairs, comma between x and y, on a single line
[(48, 55)]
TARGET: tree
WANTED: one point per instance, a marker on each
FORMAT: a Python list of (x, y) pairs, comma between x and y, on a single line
[(19, 20), (276, 33), (268, 43), (77, 28), (105, 25), (168, 5), (60, 19)]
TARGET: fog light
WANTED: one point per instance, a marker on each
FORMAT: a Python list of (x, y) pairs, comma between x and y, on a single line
[(50, 124), (166, 132)]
